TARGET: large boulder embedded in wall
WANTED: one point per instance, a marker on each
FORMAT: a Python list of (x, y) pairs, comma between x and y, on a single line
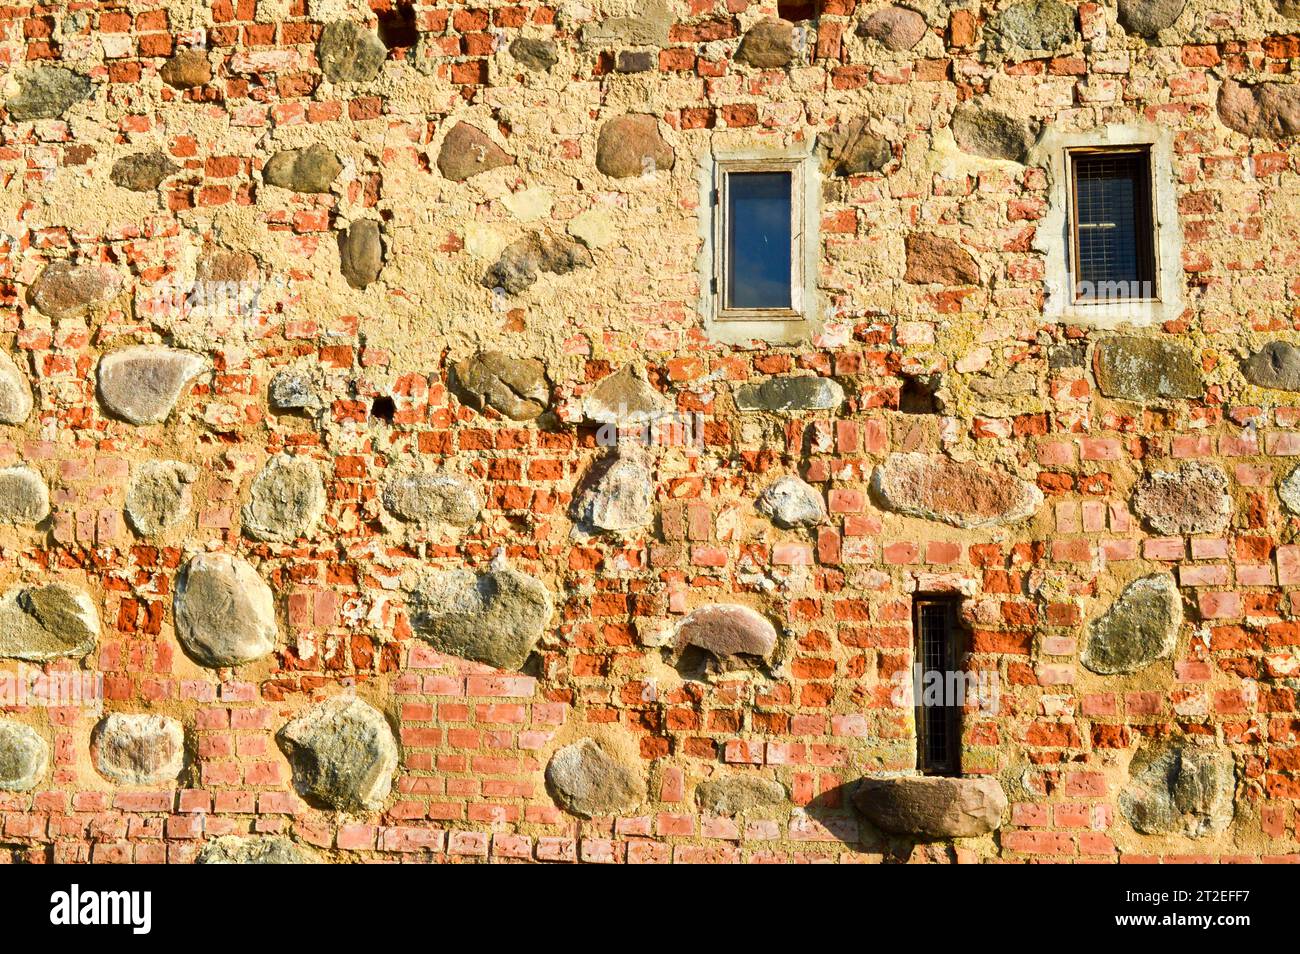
[(361, 253), (1032, 25), (617, 496), (587, 781), (852, 149), (896, 28), (432, 499), (138, 749), (984, 131), (142, 171), (524, 260), (935, 260), (1192, 499), (741, 793), (40, 623), (804, 392), (24, 756), (24, 497), (1148, 17), (1276, 366), (494, 618), (350, 53), (254, 850), (46, 92), (1262, 111), (342, 753), (961, 493), (186, 70), (158, 497), (467, 151), (632, 146), (790, 503), (312, 169), (142, 384), (65, 290), (285, 501), (733, 636), (15, 392), (1179, 789), (1140, 627), (932, 807), (768, 44), (534, 54), (1147, 370), (623, 398), (516, 387), (225, 612)]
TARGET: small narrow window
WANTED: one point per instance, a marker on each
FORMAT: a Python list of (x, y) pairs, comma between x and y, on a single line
[(939, 685), (1112, 226), (761, 241)]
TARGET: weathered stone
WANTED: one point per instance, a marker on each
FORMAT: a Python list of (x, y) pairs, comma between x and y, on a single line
[(1140, 627), (1192, 499), (961, 493), (46, 92), (1289, 491), (312, 169), (624, 397), (768, 44), (525, 259), (932, 807), (636, 61), (740, 794), (64, 290), (1276, 365), (790, 503), (285, 501), (587, 781), (220, 266), (432, 498), (342, 753), (24, 497), (225, 612), (142, 171), (187, 69), (896, 28), (142, 384), (361, 252), (804, 392), (733, 636), (536, 55), (138, 749), (1288, 8), (1146, 370), (494, 618), (294, 389), (1179, 789), (517, 388), (632, 146), (649, 27), (350, 53), (1032, 25), (15, 392), (933, 259), (158, 497), (24, 756), (254, 850), (1263, 111), (47, 622), (986, 132), (1148, 17), (852, 149), (618, 496), (467, 151)]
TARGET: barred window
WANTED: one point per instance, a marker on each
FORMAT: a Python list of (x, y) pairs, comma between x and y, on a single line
[(938, 674), (1112, 231)]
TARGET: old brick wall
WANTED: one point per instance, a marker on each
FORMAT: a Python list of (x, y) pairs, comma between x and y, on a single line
[(360, 272)]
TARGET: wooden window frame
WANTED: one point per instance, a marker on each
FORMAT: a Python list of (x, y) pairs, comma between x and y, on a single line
[(1148, 227), (951, 715), (723, 169)]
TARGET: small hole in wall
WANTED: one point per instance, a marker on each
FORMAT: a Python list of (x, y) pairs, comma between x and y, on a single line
[(397, 27), (917, 397), (383, 409), (797, 11)]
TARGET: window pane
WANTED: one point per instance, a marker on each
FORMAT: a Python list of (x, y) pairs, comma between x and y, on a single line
[(1113, 226), (758, 243)]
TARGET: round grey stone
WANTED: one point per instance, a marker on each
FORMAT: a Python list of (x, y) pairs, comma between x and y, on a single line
[(432, 498), (516, 387), (138, 749), (361, 253), (790, 503), (1289, 491), (310, 170), (1179, 789), (158, 497), (142, 384), (897, 28), (142, 171), (1032, 25), (225, 612), (631, 146), (1147, 370), (342, 753), (65, 290), (987, 132), (740, 794), (254, 850), (1148, 17), (589, 782), (768, 44), (47, 622), (24, 756), (350, 53), (852, 149), (525, 259), (536, 55), (623, 398), (1140, 627), (804, 392), (286, 500), (294, 389), (15, 392), (1192, 499), (1276, 366), (733, 636), (24, 497), (618, 496), (46, 92), (932, 808)]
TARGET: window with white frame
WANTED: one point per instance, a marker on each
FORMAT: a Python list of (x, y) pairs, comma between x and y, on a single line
[(758, 242)]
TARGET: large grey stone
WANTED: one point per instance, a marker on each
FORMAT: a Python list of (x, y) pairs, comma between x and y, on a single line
[(158, 497), (618, 496), (1147, 370), (1276, 365), (285, 501), (350, 53), (790, 503), (1192, 499), (990, 133), (740, 793), (852, 149), (534, 54), (649, 26), (225, 612), (1148, 17), (936, 260), (961, 493), (1179, 789), (342, 753), (254, 850), (294, 389), (46, 92), (24, 497), (361, 252), (768, 44), (65, 290), (142, 384), (733, 636), (1140, 627), (312, 169), (187, 69), (1288, 491), (432, 498), (624, 398), (932, 807), (515, 387), (1032, 25), (494, 618), (1263, 111), (467, 151), (587, 781), (15, 392), (24, 756), (525, 259), (799, 393), (896, 28), (138, 749), (632, 146), (41, 623), (143, 171)]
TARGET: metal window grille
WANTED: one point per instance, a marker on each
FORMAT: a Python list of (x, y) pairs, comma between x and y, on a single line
[(938, 722), (1114, 240)]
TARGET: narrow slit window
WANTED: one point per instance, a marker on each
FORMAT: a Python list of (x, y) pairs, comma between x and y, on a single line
[(939, 685), (1113, 232)]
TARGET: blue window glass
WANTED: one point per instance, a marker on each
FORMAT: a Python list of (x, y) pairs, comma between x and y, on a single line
[(758, 240)]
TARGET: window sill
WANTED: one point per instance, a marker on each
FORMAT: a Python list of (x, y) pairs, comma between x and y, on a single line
[(760, 314)]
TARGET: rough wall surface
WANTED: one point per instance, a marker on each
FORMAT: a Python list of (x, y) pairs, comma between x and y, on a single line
[(267, 262)]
